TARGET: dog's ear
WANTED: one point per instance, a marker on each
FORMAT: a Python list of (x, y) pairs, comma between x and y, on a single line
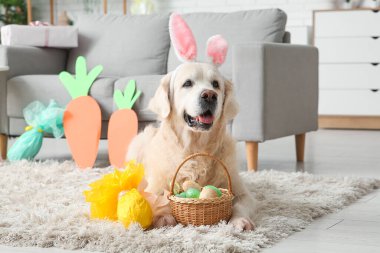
[(160, 103), (182, 38), (230, 105), (216, 49)]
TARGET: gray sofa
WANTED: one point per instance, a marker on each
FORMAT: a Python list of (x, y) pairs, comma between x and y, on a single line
[(276, 82)]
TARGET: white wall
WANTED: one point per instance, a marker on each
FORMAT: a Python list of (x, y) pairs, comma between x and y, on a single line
[(299, 11)]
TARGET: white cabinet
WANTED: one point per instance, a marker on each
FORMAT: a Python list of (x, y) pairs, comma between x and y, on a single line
[(349, 102), (345, 50), (347, 23), (349, 76), (349, 55)]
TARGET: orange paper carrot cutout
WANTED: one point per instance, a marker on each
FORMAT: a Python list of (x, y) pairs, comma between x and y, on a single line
[(123, 124), (82, 118)]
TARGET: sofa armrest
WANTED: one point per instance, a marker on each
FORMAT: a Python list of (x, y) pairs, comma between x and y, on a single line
[(277, 89), (3, 101), (23, 60)]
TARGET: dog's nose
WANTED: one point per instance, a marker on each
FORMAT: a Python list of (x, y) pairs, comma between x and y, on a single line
[(209, 95)]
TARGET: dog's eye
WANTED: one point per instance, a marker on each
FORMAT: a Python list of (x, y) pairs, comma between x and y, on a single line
[(187, 84), (215, 84)]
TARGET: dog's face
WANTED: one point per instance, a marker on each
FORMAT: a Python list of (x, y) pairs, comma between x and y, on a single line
[(198, 97)]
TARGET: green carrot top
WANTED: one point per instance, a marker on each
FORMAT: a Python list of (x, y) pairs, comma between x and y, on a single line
[(78, 85), (126, 100)]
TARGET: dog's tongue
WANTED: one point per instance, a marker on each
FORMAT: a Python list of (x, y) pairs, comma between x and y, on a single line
[(205, 119)]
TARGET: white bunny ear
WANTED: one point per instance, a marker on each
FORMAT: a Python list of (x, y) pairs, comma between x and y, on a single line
[(217, 48), (182, 38)]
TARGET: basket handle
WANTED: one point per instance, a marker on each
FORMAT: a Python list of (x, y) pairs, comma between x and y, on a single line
[(209, 156)]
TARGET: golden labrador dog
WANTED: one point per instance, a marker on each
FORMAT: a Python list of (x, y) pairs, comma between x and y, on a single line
[(194, 104)]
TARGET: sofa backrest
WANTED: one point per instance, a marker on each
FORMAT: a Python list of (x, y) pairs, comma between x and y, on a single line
[(287, 37), (236, 27), (124, 45)]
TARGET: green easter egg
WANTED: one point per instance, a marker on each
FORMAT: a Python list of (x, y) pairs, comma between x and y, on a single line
[(192, 193), (181, 195), (218, 191)]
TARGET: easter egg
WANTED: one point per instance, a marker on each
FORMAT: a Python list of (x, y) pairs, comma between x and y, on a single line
[(216, 189), (181, 195), (208, 193), (177, 188), (192, 193), (191, 184), (133, 207)]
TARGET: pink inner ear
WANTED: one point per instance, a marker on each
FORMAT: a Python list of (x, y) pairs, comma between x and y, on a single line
[(217, 48), (182, 38)]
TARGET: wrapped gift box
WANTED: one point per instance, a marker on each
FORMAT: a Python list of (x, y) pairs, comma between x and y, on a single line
[(39, 36)]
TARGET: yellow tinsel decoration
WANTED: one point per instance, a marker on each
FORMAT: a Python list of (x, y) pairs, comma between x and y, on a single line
[(104, 197)]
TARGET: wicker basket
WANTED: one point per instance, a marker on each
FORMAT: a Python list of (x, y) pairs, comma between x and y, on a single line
[(202, 211)]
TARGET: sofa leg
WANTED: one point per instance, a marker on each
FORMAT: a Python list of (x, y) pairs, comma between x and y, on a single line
[(3, 146), (252, 153), (300, 147)]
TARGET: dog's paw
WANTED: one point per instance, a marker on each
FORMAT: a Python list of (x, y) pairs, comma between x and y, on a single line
[(243, 224), (163, 221)]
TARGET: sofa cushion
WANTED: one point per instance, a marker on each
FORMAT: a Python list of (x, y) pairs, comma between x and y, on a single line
[(148, 86), (236, 27), (23, 90), (124, 45)]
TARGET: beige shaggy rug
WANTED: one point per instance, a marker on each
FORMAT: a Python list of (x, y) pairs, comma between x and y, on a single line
[(41, 204)]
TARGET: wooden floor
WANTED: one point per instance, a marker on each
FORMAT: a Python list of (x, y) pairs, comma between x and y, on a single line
[(355, 228), (328, 152), (352, 230)]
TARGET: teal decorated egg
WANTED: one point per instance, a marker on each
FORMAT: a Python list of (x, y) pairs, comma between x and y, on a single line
[(181, 195), (192, 193)]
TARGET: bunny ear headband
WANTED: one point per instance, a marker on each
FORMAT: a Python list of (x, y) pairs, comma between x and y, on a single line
[(185, 46)]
